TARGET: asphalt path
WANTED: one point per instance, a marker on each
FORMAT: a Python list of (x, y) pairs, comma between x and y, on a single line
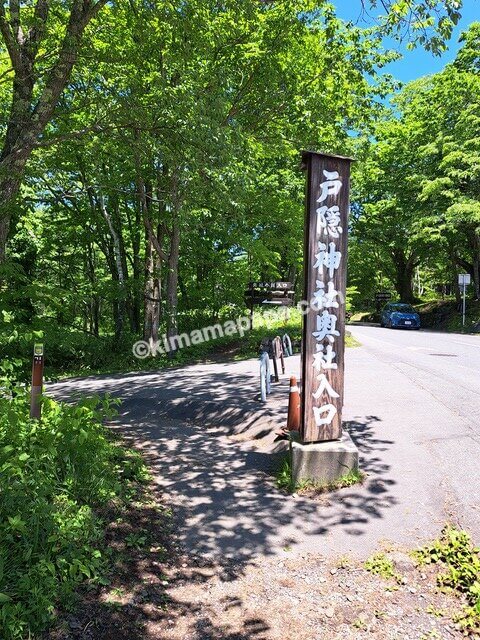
[(426, 386), (412, 405)]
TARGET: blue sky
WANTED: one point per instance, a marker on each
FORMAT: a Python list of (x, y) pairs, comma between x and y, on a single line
[(418, 62)]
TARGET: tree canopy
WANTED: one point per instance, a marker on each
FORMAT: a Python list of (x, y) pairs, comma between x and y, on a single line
[(419, 192), (150, 155)]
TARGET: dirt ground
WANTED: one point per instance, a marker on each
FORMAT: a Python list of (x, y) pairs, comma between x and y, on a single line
[(159, 592), (308, 598)]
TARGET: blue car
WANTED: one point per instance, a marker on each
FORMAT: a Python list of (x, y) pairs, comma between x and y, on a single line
[(399, 314)]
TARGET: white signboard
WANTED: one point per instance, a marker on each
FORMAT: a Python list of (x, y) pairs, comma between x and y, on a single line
[(463, 279)]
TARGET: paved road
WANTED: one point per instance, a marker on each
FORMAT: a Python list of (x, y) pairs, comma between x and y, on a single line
[(425, 388), (412, 406)]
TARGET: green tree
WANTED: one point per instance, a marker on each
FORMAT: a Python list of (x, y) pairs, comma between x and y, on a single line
[(42, 43), (418, 189)]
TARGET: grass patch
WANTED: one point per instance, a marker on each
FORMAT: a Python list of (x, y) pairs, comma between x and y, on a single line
[(56, 476), (312, 488), (362, 316), (284, 478), (351, 342), (455, 551), (381, 565)]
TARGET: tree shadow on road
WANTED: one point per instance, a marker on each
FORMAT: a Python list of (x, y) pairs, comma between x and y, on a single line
[(356, 507), (227, 508), (222, 490), (136, 602)]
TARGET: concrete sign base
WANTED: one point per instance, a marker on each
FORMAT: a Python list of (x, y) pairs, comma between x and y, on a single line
[(323, 462)]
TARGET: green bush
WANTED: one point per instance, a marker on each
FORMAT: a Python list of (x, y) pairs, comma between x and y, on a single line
[(461, 559), (54, 473)]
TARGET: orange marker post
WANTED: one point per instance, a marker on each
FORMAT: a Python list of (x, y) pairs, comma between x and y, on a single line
[(293, 418)]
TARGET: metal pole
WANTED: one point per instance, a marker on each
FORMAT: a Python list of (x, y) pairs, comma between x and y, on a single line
[(37, 382), (464, 289), (251, 290), (279, 347)]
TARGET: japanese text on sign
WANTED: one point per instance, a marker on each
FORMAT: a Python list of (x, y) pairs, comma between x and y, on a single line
[(328, 260)]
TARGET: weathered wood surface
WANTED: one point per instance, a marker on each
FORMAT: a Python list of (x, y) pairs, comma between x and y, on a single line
[(326, 424)]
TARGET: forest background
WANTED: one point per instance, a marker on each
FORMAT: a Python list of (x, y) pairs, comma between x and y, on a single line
[(150, 162)]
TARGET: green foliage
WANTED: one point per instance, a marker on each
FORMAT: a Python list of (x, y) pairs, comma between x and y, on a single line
[(268, 324), (429, 22), (161, 194), (454, 550), (136, 540), (352, 297), (416, 213), (67, 350), (283, 476), (54, 474), (200, 150), (312, 487), (381, 565)]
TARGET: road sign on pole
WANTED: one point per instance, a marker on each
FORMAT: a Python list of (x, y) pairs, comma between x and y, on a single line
[(383, 295), (325, 262), (464, 280)]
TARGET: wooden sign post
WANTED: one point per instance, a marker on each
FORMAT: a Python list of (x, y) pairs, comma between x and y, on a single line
[(325, 267), (37, 382)]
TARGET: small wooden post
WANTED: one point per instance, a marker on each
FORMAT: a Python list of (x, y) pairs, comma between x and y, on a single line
[(37, 382), (325, 268)]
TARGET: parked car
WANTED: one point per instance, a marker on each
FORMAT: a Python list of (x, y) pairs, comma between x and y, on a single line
[(399, 314)]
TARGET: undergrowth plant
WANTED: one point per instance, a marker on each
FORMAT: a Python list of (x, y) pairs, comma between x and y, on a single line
[(455, 550), (381, 565), (55, 473)]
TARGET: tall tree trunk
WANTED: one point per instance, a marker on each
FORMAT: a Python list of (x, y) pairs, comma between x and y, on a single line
[(125, 292), (153, 260), (152, 293), (31, 110), (404, 271), (94, 301), (11, 174), (4, 229), (137, 272), (173, 259), (172, 278), (453, 260), (119, 306), (476, 264), (154, 253)]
